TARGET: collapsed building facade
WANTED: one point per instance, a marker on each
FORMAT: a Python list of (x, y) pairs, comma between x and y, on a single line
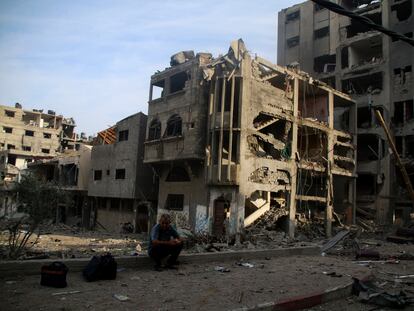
[(232, 137), (376, 71), (25, 136), (121, 189), (70, 171)]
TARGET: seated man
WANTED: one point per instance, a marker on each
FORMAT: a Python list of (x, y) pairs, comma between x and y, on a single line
[(164, 241)]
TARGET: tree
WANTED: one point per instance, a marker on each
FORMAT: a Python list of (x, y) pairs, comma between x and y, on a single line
[(37, 201)]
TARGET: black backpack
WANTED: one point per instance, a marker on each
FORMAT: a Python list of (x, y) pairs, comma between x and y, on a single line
[(100, 268)]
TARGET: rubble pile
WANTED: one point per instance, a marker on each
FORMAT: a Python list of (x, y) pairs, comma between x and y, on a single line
[(271, 220)]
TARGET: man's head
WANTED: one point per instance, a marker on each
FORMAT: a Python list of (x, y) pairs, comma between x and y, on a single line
[(165, 221)]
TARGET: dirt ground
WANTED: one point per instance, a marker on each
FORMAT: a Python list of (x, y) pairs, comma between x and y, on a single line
[(201, 286), (191, 287), (61, 242)]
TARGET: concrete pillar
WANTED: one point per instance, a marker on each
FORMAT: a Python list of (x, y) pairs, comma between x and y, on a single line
[(330, 158), (293, 166)]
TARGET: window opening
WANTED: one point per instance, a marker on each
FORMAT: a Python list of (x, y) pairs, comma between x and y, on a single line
[(320, 33), (177, 82), (97, 175), (154, 130), (175, 202), (120, 173), (174, 126), (158, 90), (123, 135)]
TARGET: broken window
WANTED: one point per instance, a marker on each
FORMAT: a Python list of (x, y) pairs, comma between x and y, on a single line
[(27, 148), (409, 147), (356, 27), (402, 9), (403, 111), (409, 110), (10, 146), (47, 135), (157, 90), (11, 159), (402, 75), (292, 16), (399, 113), (9, 113), (177, 82), (154, 130), (320, 33), (399, 141), (363, 84), (28, 133), (123, 135), (178, 174), (174, 126), (291, 42), (69, 174), (120, 173), (344, 58), (44, 150), (366, 117), (324, 63), (175, 202), (370, 147), (366, 51), (8, 130)]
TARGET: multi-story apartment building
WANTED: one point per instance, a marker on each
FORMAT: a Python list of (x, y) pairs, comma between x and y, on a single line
[(376, 71), (27, 135), (233, 137), (122, 189)]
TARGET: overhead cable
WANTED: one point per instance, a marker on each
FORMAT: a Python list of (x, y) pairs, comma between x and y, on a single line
[(363, 20)]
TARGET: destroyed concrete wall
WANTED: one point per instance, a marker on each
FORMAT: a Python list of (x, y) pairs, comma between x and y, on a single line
[(376, 71), (176, 135), (245, 164)]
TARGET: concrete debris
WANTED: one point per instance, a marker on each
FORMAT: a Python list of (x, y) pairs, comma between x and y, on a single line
[(120, 297), (332, 242), (369, 293), (181, 57), (66, 293), (221, 269)]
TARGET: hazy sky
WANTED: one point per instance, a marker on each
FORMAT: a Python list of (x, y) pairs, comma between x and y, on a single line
[(93, 59)]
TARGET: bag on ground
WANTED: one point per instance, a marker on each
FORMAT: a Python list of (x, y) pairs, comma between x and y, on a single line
[(54, 275), (100, 268)]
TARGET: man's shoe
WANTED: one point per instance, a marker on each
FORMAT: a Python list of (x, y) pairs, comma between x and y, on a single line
[(171, 267)]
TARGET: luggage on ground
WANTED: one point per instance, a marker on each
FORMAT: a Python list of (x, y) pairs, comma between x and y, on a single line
[(100, 268), (54, 275)]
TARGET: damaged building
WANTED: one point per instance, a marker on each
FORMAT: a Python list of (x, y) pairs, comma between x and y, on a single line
[(233, 137), (70, 170), (121, 188), (376, 71), (25, 136)]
